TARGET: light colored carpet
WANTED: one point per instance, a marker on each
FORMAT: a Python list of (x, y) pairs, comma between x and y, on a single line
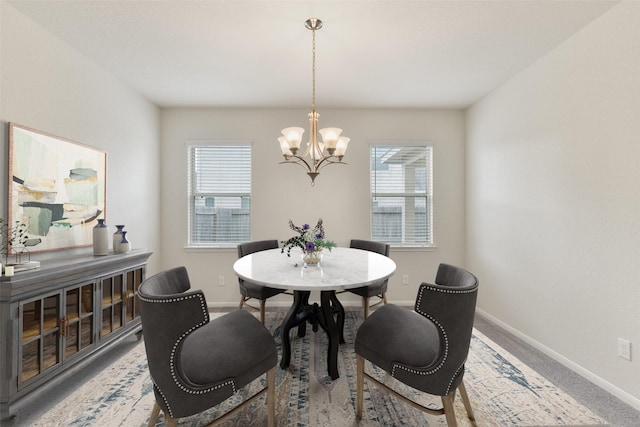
[(503, 392)]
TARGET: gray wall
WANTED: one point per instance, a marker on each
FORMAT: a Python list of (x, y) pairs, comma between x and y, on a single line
[(48, 86), (340, 196), (553, 201)]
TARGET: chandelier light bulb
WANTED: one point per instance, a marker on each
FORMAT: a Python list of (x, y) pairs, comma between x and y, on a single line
[(330, 137), (341, 146), (315, 150), (294, 137), (284, 146)]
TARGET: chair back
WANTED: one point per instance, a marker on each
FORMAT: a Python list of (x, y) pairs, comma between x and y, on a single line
[(450, 304), (257, 246), (371, 246), (455, 277), (378, 288), (169, 314)]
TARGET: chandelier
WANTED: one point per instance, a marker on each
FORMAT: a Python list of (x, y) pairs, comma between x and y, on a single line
[(318, 154)]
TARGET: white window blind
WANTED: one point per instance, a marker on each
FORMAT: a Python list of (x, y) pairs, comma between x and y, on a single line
[(401, 194), (219, 194)]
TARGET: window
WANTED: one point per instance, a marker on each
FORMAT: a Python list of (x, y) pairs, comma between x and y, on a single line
[(219, 194), (401, 194)]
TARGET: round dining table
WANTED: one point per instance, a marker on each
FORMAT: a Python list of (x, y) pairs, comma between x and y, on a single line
[(340, 269)]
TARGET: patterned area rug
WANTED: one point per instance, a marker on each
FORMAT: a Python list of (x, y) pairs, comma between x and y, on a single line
[(503, 392)]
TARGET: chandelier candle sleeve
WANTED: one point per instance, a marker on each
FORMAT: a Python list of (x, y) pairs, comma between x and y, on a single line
[(318, 154)]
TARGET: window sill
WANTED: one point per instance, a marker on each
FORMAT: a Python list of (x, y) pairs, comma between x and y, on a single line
[(414, 248), (233, 248), (196, 249)]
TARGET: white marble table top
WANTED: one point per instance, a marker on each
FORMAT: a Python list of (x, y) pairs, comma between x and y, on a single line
[(341, 268)]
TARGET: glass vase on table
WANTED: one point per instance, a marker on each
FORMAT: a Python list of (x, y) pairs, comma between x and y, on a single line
[(312, 258)]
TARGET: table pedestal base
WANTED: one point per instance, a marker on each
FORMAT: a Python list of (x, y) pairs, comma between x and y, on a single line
[(302, 312)]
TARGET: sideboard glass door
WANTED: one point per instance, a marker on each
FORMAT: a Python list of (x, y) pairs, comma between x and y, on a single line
[(112, 304), (78, 323), (134, 280), (40, 336)]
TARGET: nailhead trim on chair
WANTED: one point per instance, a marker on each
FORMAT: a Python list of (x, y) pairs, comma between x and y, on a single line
[(449, 291), (460, 368), (205, 320), (444, 334), (166, 403), (444, 358)]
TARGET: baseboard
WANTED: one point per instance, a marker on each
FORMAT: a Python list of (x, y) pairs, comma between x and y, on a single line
[(605, 385)]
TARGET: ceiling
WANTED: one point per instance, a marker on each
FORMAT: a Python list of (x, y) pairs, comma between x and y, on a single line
[(370, 54)]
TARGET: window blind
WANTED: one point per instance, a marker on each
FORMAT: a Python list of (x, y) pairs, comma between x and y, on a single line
[(401, 194), (219, 194)]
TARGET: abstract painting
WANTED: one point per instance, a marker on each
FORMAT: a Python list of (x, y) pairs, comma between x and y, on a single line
[(57, 188)]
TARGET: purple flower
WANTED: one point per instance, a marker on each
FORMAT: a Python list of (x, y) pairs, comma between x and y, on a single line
[(306, 226), (319, 236), (310, 247)]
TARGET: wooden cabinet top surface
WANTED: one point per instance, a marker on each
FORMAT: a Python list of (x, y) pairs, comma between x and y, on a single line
[(64, 268)]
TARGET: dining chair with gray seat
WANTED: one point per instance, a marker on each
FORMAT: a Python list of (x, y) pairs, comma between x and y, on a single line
[(378, 289), (250, 290), (197, 363), (425, 348)]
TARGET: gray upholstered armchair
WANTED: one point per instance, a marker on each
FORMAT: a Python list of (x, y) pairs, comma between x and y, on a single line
[(249, 290), (195, 363), (425, 349), (378, 289)]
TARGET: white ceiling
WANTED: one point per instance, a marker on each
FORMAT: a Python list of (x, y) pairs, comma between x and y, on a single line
[(399, 54)]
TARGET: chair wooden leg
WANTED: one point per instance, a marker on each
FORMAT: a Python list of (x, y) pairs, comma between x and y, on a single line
[(262, 308), (241, 302), (449, 413), (170, 422), (466, 401), (155, 412), (384, 298), (271, 397), (359, 385), (365, 306)]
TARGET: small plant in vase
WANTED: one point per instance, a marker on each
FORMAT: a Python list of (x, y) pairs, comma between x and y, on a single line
[(14, 242), (310, 240)]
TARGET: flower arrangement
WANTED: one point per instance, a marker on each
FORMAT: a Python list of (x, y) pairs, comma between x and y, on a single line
[(309, 239)]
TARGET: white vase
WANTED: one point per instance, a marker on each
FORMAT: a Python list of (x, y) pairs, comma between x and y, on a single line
[(125, 244), (100, 238), (117, 237)]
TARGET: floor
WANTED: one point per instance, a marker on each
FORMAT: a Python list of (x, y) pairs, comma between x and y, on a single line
[(601, 402), (618, 413)]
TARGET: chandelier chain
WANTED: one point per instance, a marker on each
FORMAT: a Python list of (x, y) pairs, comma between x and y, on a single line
[(313, 71)]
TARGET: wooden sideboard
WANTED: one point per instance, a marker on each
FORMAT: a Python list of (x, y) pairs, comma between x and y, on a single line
[(68, 310)]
